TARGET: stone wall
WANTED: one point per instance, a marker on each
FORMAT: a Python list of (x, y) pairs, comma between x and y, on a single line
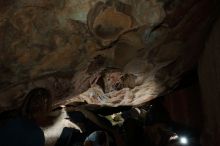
[(209, 76), (103, 52)]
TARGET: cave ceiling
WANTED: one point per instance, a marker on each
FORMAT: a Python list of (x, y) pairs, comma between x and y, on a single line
[(99, 52)]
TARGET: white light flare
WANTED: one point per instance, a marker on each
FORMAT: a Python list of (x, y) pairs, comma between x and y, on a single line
[(183, 140)]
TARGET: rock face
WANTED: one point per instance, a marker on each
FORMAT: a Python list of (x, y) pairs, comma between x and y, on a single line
[(209, 65), (103, 52)]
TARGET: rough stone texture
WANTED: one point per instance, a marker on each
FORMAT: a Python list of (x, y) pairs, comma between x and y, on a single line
[(209, 74), (103, 52)]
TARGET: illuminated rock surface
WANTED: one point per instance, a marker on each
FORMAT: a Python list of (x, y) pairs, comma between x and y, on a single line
[(116, 52)]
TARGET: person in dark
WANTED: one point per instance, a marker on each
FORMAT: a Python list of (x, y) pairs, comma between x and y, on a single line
[(24, 130), (157, 121), (71, 136), (97, 138), (133, 132)]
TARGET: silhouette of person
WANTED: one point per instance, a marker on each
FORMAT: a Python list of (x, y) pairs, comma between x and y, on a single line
[(24, 130), (97, 138)]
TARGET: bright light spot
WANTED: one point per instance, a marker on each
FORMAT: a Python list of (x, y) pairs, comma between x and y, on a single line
[(183, 140)]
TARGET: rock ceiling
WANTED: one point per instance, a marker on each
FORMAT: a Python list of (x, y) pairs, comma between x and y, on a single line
[(102, 52)]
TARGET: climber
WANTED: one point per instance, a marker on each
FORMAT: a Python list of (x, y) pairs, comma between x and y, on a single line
[(25, 130)]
